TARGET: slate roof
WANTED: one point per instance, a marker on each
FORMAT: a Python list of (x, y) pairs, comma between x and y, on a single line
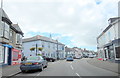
[(43, 38), (17, 27)]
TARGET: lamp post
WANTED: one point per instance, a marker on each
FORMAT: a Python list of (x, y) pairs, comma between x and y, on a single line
[(57, 51), (36, 49)]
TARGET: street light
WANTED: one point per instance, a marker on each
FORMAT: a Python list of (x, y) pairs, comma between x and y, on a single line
[(36, 48), (57, 51), (1, 13)]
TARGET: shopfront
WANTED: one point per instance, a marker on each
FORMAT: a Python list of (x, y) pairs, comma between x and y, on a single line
[(6, 54), (16, 56)]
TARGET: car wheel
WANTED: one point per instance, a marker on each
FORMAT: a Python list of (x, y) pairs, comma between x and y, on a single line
[(23, 71), (41, 68), (46, 66), (53, 60)]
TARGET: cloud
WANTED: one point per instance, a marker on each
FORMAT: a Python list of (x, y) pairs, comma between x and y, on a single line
[(81, 20)]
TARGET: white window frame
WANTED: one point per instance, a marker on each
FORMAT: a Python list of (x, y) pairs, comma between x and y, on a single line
[(1, 54), (18, 38), (6, 30)]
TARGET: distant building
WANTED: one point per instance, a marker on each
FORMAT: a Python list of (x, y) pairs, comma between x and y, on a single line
[(75, 52), (50, 47), (10, 41), (108, 42)]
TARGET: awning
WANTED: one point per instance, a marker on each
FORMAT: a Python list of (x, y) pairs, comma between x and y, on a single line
[(6, 45)]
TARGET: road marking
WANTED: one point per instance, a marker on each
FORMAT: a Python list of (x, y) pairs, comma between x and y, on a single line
[(77, 74), (38, 74), (72, 67)]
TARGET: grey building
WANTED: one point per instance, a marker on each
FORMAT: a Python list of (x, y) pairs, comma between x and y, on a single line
[(10, 35)]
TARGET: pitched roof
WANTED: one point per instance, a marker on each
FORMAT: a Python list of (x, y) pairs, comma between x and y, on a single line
[(17, 27), (5, 17), (39, 37)]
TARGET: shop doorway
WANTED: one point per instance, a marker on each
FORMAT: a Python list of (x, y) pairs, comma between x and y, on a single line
[(9, 56)]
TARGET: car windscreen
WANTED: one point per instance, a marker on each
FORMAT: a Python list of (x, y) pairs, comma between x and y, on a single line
[(34, 58), (70, 57)]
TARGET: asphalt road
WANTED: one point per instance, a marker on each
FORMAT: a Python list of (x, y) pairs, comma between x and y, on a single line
[(79, 67)]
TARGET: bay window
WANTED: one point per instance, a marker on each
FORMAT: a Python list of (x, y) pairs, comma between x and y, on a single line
[(6, 30), (1, 29), (18, 38), (11, 36)]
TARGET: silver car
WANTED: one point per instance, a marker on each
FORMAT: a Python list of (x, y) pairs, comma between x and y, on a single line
[(33, 63)]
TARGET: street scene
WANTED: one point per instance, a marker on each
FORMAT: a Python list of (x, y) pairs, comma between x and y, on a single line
[(59, 38)]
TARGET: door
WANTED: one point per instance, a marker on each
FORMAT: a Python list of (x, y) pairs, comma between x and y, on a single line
[(9, 56)]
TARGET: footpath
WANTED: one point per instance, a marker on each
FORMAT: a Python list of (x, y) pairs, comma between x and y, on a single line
[(10, 70), (114, 67)]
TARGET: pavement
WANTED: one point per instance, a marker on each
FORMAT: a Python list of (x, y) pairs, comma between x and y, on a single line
[(105, 64), (82, 67), (10, 70)]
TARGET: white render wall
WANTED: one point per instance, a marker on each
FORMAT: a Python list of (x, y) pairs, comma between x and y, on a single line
[(48, 51), (110, 35)]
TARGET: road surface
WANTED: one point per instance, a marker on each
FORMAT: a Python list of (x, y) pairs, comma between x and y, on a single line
[(78, 67)]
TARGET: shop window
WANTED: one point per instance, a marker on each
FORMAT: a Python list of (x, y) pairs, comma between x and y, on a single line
[(15, 56), (117, 49)]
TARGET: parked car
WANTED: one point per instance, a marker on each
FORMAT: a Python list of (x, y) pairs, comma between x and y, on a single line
[(69, 58), (33, 63), (51, 59)]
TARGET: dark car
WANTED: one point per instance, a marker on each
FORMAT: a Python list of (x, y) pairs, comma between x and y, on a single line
[(51, 59), (33, 63), (69, 58)]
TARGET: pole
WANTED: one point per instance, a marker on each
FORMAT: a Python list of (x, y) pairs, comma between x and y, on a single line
[(1, 4), (1, 14), (57, 51), (36, 49)]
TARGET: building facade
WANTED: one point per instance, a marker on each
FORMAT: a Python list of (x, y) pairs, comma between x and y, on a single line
[(10, 49), (108, 42), (50, 47)]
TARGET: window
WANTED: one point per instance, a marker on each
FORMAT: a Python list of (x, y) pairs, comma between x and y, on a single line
[(48, 45), (15, 56), (18, 39), (1, 29), (62, 47), (11, 36), (117, 49), (6, 30)]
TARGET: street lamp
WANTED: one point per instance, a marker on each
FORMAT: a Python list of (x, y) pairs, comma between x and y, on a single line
[(36, 49), (57, 51)]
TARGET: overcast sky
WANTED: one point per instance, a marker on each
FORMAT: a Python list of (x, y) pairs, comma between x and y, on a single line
[(72, 22)]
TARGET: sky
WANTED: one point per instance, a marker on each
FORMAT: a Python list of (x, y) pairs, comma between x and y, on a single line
[(75, 23)]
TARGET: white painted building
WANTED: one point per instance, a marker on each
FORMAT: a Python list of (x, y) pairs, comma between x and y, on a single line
[(50, 47), (108, 42)]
